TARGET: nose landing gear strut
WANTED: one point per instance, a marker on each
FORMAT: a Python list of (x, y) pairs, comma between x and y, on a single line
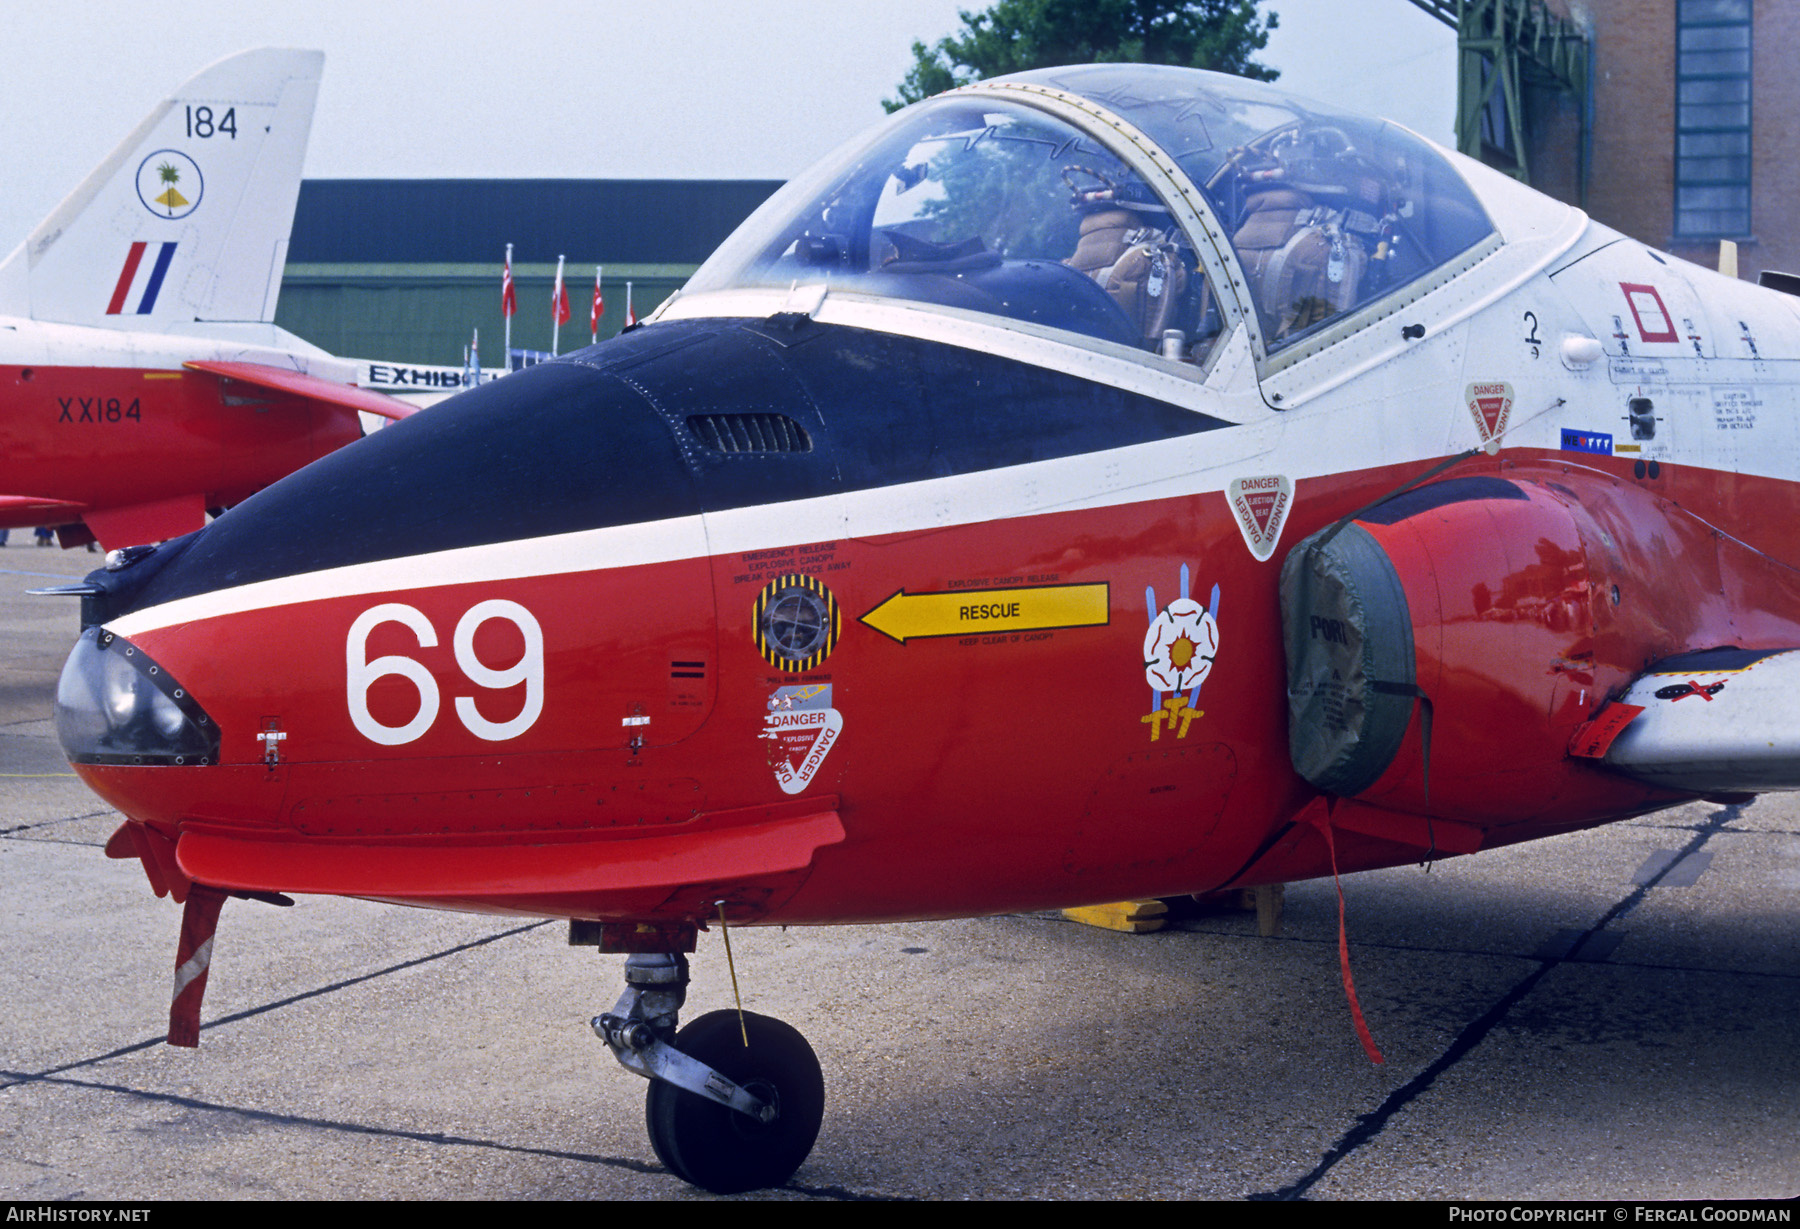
[(731, 1107)]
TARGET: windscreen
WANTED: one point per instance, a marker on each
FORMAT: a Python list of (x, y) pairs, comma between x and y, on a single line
[(979, 204)]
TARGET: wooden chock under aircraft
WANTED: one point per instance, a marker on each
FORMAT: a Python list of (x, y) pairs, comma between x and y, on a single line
[(1099, 483)]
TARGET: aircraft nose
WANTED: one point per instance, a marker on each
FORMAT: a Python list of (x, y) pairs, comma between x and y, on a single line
[(561, 448), (520, 572), (114, 705)]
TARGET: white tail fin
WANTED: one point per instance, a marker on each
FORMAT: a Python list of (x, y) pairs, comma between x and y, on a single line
[(187, 220)]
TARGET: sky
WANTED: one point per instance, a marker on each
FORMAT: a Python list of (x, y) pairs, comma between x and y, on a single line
[(636, 89)]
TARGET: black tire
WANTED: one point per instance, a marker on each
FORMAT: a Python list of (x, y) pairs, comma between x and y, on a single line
[(720, 1149)]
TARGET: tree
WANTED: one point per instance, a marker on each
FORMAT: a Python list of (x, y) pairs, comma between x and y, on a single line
[(1016, 35)]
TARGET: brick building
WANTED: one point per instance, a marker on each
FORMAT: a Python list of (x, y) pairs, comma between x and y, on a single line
[(1694, 109)]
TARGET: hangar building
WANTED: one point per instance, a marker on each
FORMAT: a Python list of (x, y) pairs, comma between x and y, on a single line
[(404, 269)]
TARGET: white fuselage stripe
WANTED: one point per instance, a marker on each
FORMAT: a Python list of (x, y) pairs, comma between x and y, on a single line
[(1161, 469), (559, 554)]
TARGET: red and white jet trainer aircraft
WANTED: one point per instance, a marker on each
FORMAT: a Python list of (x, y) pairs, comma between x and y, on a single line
[(1099, 483), (141, 379)]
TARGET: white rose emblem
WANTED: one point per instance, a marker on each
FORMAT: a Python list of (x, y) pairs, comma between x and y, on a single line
[(1180, 646)]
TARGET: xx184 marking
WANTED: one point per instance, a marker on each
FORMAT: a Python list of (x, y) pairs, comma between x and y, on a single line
[(98, 409)]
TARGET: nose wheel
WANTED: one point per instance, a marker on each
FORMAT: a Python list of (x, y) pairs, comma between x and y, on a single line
[(723, 1149), (731, 1107)]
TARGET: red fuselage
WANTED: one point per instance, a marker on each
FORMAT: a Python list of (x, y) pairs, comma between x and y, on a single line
[(107, 438), (974, 766)]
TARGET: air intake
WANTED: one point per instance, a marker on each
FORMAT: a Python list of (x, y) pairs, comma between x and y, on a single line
[(749, 432)]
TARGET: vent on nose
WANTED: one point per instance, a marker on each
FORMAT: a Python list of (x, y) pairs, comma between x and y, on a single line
[(749, 433)]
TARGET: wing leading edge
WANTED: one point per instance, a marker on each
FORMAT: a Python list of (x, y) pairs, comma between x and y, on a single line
[(1724, 720), (282, 380)]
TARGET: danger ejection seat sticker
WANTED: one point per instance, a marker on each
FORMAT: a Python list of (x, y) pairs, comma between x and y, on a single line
[(1261, 507), (1490, 405), (800, 729)]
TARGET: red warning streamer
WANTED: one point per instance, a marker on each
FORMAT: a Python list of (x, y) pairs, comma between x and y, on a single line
[(193, 957), (1318, 814)]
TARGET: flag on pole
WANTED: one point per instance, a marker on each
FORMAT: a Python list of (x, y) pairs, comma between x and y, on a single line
[(599, 305), (559, 307), (630, 315), (509, 303)]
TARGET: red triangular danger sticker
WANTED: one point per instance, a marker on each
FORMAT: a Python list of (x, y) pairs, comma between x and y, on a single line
[(1261, 507), (1490, 404)]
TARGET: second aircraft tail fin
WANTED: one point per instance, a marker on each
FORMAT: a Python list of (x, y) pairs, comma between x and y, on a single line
[(188, 219)]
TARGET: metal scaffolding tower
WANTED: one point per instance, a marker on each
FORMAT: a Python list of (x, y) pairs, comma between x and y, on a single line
[(1503, 46)]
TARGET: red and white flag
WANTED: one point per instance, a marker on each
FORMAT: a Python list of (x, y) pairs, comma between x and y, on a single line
[(630, 314), (599, 306), (559, 298), (509, 299)]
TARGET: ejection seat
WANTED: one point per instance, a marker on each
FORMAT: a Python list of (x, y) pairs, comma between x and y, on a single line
[(1303, 266), (1135, 264)]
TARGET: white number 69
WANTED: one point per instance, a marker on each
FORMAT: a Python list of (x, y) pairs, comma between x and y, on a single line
[(360, 674)]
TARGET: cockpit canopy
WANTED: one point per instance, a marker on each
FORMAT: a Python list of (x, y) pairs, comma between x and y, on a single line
[(1005, 199)]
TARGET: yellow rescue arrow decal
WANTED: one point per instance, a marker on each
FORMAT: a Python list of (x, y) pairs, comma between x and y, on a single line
[(967, 612)]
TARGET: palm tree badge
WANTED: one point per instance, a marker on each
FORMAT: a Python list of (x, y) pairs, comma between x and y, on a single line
[(169, 184), (170, 199)]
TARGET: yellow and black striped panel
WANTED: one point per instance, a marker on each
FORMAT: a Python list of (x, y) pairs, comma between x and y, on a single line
[(796, 622)]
